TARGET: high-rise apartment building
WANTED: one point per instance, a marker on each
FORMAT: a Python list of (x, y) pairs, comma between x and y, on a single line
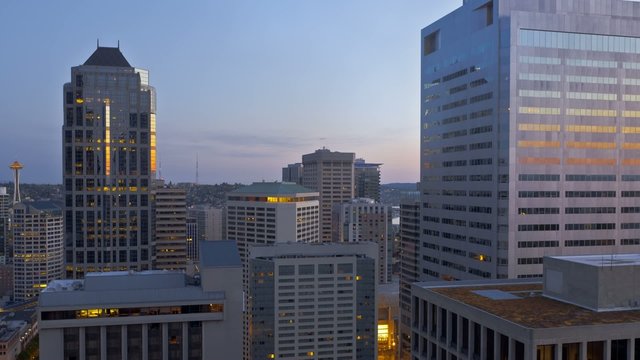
[(155, 314), (313, 301), (38, 247), (529, 128), (170, 228), (293, 173), (268, 212), (409, 267), (210, 221), (367, 180), (4, 225), (330, 173), (365, 220), (109, 161)]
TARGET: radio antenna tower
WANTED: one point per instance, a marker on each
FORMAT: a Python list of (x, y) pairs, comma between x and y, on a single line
[(197, 173)]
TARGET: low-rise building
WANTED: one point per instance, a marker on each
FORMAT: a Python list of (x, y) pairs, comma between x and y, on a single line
[(17, 329), (585, 307), (149, 314)]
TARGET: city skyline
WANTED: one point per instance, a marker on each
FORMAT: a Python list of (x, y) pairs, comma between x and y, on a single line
[(348, 69)]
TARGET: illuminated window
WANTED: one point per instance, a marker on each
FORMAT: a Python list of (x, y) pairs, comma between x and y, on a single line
[(630, 97), (590, 145), (550, 144), (631, 81), (630, 113), (592, 63), (591, 112), (539, 160), (592, 79), (631, 162), (591, 96), (631, 130), (590, 128), (539, 110), (538, 127), (539, 93)]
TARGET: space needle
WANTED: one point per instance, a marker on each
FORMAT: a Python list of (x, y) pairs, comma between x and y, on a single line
[(16, 167)]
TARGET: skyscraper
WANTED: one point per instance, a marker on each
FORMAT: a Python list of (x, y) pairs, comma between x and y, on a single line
[(4, 225), (365, 220), (109, 161), (268, 212), (170, 227), (210, 220), (529, 129), (367, 180), (293, 173), (313, 301), (38, 247), (330, 173), (409, 269)]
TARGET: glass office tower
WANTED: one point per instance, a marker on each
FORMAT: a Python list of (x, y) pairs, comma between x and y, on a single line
[(109, 160), (530, 135)]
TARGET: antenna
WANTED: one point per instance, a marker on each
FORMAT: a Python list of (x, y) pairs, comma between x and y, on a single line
[(118, 44), (97, 43), (197, 172)]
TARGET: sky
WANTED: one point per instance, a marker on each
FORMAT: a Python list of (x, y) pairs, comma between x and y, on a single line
[(247, 86)]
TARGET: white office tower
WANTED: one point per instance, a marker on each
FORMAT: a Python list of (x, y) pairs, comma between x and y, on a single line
[(147, 315), (38, 255), (365, 220), (331, 174), (170, 228), (313, 301), (109, 161), (268, 212)]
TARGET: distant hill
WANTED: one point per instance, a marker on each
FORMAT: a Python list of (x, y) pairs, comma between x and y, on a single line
[(401, 186)]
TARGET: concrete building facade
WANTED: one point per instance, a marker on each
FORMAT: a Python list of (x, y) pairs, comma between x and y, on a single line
[(268, 212), (170, 224), (147, 315), (38, 247), (109, 162), (409, 268), (585, 307), (529, 143), (365, 220), (313, 301), (210, 220), (331, 174)]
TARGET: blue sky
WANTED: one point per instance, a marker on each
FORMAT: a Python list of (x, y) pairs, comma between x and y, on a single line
[(249, 86)]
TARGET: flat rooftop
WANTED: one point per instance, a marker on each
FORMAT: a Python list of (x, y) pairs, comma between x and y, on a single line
[(603, 260), (125, 288), (521, 302)]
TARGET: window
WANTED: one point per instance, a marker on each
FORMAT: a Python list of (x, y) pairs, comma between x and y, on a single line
[(432, 42), (539, 227)]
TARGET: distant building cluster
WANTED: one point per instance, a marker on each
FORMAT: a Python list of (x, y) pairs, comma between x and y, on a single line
[(521, 242)]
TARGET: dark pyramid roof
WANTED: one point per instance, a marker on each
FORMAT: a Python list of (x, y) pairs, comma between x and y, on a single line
[(107, 56)]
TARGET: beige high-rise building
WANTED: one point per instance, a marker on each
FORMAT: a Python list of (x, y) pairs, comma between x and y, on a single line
[(38, 254), (171, 228), (365, 220), (330, 173), (268, 212)]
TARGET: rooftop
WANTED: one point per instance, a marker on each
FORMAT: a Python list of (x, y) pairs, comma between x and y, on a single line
[(521, 302), (273, 188), (122, 287), (107, 56), (603, 260)]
